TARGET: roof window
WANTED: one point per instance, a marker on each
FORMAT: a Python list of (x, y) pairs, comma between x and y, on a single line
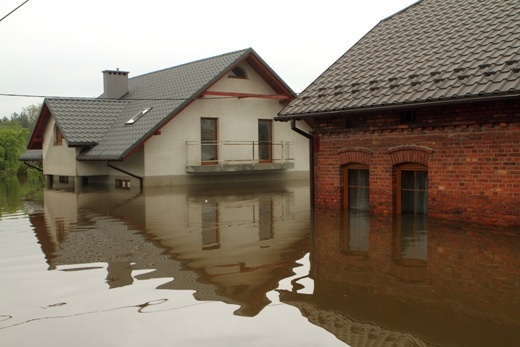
[(237, 72), (137, 116)]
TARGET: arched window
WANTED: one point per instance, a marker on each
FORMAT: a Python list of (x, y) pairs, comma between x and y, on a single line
[(238, 72), (355, 187), (412, 189)]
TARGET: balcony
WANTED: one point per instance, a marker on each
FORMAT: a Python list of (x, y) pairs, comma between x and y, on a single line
[(238, 156)]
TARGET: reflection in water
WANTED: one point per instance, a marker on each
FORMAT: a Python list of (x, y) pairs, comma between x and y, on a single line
[(227, 247), (412, 281), (373, 281)]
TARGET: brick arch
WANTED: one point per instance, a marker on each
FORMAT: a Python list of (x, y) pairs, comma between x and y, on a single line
[(410, 154), (354, 155)]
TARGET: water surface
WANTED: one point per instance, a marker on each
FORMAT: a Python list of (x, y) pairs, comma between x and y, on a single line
[(248, 266)]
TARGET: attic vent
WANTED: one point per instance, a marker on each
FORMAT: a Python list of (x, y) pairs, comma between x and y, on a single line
[(512, 62), (137, 116), (483, 66), (459, 69), (414, 75), (490, 73), (237, 72)]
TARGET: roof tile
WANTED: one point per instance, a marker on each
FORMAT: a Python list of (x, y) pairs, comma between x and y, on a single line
[(433, 50)]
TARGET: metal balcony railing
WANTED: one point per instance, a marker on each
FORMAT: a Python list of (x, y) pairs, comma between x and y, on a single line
[(239, 153)]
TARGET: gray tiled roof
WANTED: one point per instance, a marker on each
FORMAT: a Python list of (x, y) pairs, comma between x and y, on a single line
[(84, 121), (434, 50), (167, 91), (32, 155)]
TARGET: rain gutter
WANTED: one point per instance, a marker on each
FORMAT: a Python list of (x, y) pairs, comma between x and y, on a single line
[(311, 156)]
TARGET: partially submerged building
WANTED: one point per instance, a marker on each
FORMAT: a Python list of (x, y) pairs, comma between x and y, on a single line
[(422, 115), (206, 121)]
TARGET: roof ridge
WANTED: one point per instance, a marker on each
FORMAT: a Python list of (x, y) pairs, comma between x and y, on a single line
[(242, 51), (86, 98), (400, 11)]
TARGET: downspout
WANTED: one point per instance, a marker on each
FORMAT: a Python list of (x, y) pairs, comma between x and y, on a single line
[(127, 173), (311, 156)]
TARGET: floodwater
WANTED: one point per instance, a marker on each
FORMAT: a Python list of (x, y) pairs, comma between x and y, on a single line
[(245, 266)]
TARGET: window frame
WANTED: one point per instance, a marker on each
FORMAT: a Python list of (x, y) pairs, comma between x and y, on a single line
[(346, 186), (399, 191), (240, 75), (214, 142), (269, 146)]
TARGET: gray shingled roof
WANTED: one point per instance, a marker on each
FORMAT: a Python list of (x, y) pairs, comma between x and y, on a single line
[(84, 122), (434, 50), (32, 155)]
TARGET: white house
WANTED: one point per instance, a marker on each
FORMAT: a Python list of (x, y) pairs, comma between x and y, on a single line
[(206, 121)]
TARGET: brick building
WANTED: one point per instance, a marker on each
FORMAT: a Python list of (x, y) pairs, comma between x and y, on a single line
[(422, 115)]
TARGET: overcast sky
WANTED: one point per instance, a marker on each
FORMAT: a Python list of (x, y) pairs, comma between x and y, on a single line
[(60, 47)]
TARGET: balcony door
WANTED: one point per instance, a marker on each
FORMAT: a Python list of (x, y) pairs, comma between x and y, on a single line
[(265, 140), (209, 141)]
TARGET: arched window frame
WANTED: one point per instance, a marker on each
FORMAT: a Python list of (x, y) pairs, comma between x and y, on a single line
[(237, 72), (347, 185), (414, 167)]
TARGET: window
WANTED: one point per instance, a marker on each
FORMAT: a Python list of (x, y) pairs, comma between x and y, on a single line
[(137, 116), (58, 136), (64, 179), (237, 72), (209, 140), (122, 184), (412, 189), (355, 187), (265, 129)]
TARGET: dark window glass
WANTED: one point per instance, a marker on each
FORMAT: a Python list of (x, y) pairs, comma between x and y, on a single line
[(358, 198), (264, 139), (414, 190), (209, 138)]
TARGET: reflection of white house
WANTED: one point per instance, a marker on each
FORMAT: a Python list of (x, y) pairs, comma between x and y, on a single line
[(199, 122), (232, 248)]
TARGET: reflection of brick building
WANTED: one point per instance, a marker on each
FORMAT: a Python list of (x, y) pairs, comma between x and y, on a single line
[(432, 90), (450, 270)]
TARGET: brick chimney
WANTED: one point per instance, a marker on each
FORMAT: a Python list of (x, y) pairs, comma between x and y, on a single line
[(115, 84)]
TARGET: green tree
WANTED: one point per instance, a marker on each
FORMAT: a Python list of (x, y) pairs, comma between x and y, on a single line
[(25, 119), (12, 145)]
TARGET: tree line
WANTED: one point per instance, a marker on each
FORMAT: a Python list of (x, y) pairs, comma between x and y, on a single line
[(14, 134)]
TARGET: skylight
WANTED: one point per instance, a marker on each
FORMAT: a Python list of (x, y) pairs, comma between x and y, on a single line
[(137, 116)]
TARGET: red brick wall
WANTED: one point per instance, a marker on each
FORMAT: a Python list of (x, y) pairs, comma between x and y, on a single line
[(472, 153)]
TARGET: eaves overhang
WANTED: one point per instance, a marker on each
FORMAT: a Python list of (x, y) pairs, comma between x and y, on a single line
[(398, 106)]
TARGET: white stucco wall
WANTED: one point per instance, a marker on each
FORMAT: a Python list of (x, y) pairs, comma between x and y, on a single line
[(165, 154), (58, 159)]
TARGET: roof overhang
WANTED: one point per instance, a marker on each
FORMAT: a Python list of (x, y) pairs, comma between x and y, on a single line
[(401, 106)]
